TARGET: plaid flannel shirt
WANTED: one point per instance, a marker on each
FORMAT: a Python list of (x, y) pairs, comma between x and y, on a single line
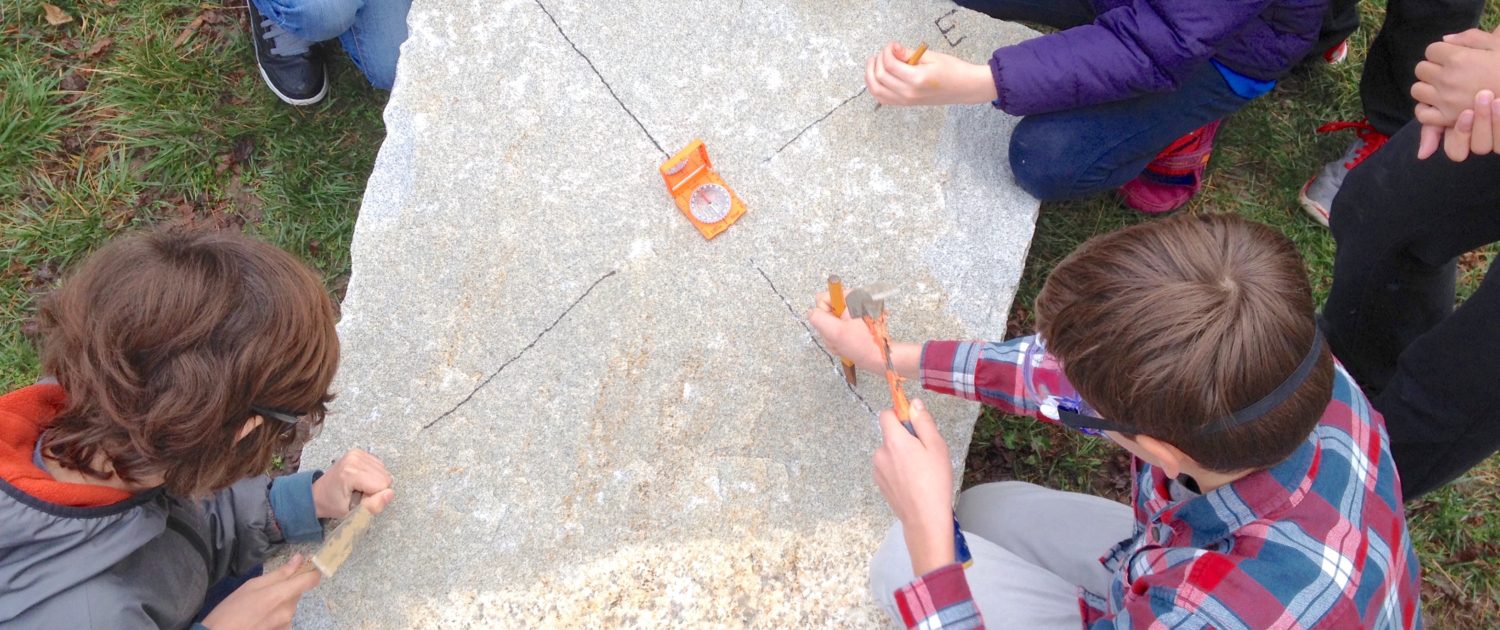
[(1317, 541)]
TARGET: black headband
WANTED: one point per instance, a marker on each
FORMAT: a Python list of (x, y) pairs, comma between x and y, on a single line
[(1277, 396), (1073, 418)]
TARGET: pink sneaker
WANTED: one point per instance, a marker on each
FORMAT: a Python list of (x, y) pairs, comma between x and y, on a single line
[(1176, 174)]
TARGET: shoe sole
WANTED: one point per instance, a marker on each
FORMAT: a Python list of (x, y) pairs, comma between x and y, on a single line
[(1312, 208), (322, 92)]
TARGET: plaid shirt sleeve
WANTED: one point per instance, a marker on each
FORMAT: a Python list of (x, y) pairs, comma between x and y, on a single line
[(987, 372), (940, 599)]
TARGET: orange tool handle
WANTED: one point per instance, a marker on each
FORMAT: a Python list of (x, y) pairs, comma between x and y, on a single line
[(836, 295), (916, 57), (836, 303), (898, 400)]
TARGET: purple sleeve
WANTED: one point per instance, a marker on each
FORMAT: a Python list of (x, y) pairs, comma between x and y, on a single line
[(1143, 47)]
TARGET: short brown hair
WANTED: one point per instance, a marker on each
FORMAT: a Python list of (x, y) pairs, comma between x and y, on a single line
[(162, 342), (1173, 324)]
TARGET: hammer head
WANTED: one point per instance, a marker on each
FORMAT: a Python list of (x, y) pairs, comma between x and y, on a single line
[(868, 301)]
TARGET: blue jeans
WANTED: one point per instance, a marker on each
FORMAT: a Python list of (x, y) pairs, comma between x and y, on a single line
[(371, 31), (1080, 152)]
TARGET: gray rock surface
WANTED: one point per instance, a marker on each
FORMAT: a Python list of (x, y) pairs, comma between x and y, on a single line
[(595, 417)]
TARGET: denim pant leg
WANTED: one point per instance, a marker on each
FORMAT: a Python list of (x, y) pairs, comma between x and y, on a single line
[(312, 20), (374, 40), (1079, 152)]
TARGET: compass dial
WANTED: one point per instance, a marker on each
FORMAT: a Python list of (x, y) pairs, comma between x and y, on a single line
[(711, 203)]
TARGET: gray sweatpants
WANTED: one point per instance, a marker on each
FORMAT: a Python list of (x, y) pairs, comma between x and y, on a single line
[(1032, 546)]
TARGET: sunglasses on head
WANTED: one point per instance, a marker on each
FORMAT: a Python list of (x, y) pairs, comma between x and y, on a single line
[(1071, 410)]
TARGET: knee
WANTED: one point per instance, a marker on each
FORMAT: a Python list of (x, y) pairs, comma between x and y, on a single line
[(987, 496), (1044, 158), (890, 569), (317, 20)]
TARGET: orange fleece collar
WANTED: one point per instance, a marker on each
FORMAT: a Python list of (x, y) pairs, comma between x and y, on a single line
[(24, 414)]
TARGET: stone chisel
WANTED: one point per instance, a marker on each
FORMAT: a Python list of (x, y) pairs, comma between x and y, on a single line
[(836, 305), (339, 544)]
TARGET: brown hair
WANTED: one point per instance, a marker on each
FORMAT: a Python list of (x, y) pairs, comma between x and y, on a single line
[(1172, 324), (163, 341)]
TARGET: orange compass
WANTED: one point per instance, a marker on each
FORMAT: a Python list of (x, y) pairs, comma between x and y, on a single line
[(700, 193)]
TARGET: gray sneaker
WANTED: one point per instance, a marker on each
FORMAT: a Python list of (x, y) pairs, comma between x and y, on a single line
[(1317, 195)]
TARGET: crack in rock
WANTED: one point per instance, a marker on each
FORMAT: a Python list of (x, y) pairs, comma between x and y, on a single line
[(523, 351), (832, 360), (817, 122), (607, 86)]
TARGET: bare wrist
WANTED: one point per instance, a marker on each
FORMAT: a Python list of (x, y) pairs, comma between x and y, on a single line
[(981, 85), (930, 546), (907, 359)]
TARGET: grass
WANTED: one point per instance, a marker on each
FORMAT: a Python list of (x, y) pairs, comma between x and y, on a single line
[(137, 113)]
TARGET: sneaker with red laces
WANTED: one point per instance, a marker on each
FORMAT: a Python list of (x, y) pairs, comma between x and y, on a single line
[(1336, 55), (1317, 195), (1176, 174)]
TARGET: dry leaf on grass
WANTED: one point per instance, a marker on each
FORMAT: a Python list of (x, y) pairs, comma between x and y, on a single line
[(73, 81), (192, 27), (56, 16), (98, 48)]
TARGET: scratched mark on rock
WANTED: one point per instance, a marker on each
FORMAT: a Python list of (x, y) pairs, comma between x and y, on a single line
[(948, 28), (523, 351), (833, 361), (599, 74), (816, 122)]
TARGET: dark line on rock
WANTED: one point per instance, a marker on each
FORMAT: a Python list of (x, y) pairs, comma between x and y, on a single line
[(607, 86), (832, 360), (816, 122), (523, 351)]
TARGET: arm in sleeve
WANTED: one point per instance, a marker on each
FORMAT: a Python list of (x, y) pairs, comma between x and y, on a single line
[(940, 599), (1145, 47), (240, 524), (984, 371)]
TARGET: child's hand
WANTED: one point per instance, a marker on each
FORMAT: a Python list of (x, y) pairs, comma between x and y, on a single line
[(846, 337), (268, 601), (937, 79), (916, 478), (1456, 69), (356, 471), (1476, 132)]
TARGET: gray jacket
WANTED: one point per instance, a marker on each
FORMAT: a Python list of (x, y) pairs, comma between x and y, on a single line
[(143, 563)]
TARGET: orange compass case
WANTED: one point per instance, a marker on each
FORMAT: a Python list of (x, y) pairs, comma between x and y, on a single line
[(700, 193)]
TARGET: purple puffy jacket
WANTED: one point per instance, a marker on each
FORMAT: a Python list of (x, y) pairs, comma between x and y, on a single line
[(1137, 47)]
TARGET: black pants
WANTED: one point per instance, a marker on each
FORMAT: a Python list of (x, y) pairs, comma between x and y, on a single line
[(1390, 69), (1431, 370)]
